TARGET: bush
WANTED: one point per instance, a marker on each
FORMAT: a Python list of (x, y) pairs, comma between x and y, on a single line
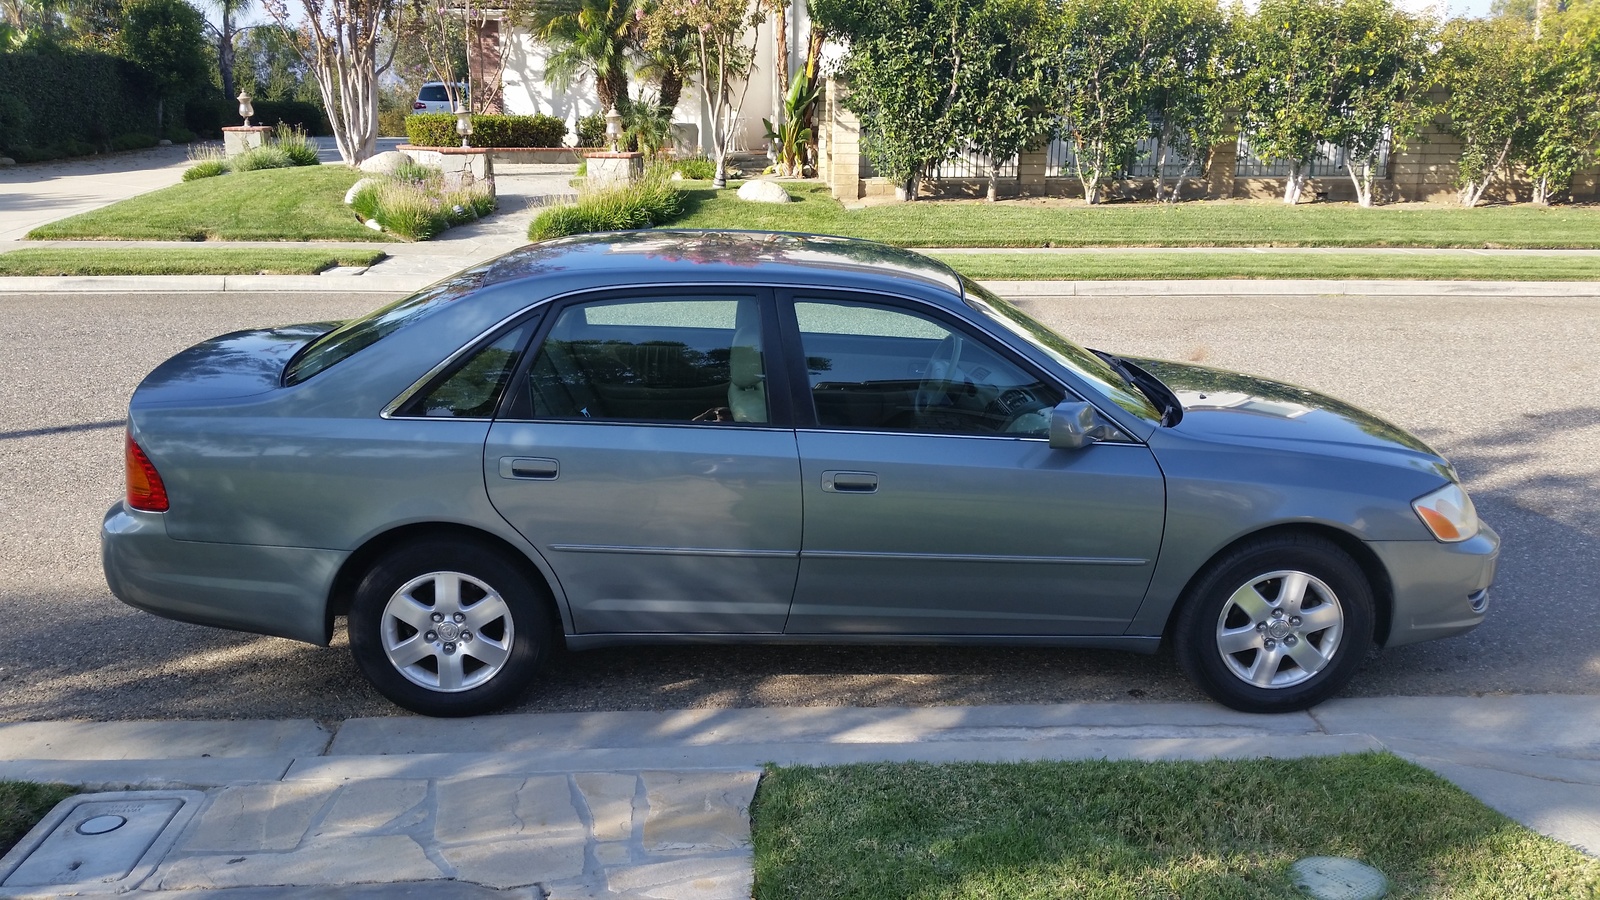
[(296, 145), (650, 201), (266, 156), (210, 116), (420, 210), (70, 98), (208, 169), (592, 131), (698, 168), (179, 134), (132, 141), (26, 154), (71, 147), (439, 130)]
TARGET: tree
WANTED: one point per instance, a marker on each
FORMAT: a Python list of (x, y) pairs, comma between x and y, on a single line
[(908, 66), (338, 40), (1564, 132), (225, 33), (1342, 71), (165, 38), (1485, 70), (1008, 112), (1189, 91), (718, 30), (590, 37)]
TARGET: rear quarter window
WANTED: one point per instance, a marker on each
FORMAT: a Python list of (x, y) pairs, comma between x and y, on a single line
[(358, 334)]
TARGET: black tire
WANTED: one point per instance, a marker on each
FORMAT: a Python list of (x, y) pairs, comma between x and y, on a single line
[(1269, 677), (470, 673)]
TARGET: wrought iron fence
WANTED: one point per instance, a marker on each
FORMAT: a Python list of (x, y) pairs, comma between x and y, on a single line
[(1060, 161), (964, 164), (1330, 160)]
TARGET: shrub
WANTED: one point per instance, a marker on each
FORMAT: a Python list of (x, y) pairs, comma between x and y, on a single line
[(26, 154), (411, 170), (50, 95), (295, 144), (420, 210), (207, 169), (179, 134), (592, 130), (698, 168), (650, 201), (72, 147), (439, 130), (267, 156), (132, 141)]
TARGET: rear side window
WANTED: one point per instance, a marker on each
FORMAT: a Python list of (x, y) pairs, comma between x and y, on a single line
[(358, 334), (433, 93), (473, 390)]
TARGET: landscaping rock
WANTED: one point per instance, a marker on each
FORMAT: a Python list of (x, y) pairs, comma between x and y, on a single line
[(763, 192), (163, 143), (7, 161), (350, 195), (385, 163)]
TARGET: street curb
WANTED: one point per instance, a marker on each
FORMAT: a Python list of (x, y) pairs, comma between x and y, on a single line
[(404, 284)]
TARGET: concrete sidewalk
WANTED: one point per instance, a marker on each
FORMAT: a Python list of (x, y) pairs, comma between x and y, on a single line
[(655, 804)]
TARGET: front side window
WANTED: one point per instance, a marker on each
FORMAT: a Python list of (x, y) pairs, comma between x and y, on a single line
[(659, 360), (886, 369)]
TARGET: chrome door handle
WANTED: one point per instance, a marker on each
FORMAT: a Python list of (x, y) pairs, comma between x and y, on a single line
[(850, 482), (527, 468)]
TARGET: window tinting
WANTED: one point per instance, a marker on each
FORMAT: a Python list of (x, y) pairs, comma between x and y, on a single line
[(652, 360), (433, 93), (886, 369), (358, 334), (473, 389)]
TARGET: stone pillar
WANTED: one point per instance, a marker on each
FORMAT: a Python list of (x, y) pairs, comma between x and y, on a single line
[(485, 71), (1222, 167), (844, 176), (607, 169), (1031, 166), (461, 166), (239, 138)]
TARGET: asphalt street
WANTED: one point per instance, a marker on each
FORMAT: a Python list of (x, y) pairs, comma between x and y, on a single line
[(1504, 386)]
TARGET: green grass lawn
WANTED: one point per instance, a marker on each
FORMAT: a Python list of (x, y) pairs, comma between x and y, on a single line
[(295, 204), (1152, 264), (1227, 829), (207, 261), (22, 804), (1024, 223)]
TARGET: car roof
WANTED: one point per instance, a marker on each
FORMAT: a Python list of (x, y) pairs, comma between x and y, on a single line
[(682, 255)]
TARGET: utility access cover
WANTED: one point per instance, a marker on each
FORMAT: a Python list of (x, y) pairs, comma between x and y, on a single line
[(98, 843)]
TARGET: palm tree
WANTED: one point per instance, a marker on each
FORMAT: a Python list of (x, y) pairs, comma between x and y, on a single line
[(590, 37), (224, 34)]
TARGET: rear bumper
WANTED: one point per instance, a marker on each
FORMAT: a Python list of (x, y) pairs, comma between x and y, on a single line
[(1439, 589), (278, 591)]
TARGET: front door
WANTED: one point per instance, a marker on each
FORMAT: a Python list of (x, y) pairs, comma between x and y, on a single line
[(933, 501), (642, 456)]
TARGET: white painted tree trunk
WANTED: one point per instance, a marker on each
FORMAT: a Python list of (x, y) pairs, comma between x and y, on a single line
[(1295, 185)]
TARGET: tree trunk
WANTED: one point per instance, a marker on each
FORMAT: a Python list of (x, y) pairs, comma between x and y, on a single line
[(609, 88), (994, 180), (1295, 185), (225, 53), (1362, 181), (813, 60), (780, 45), (671, 89)]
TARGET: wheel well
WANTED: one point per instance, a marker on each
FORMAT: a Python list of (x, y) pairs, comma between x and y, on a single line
[(1377, 575), (355, 568)]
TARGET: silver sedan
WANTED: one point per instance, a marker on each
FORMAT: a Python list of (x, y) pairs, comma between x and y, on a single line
[(655, 437)]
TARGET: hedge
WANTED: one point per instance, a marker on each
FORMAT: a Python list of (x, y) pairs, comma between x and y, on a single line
[(439, 130), (68, 98), (209, 115)]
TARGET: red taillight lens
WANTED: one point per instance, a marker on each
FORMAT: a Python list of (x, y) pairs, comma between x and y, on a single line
[(419, 105), (145, 490)]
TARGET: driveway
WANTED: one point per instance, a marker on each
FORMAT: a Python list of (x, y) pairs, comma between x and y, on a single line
[(1502, 385), (38, 193)]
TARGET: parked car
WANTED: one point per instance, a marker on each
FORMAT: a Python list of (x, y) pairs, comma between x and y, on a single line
[(677, 436), (433, 97)]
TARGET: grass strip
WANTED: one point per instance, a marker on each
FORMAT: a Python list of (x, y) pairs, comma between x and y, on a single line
[(1196, 830), (23, 804), (214, 261), (295, 204), (1231, 223), (1154, 264)]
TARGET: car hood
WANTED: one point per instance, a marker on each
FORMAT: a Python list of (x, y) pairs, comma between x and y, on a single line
[(1232, 406), (241, 364)]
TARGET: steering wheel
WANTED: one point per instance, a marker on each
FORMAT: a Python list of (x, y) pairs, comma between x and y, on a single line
[(943, 365)]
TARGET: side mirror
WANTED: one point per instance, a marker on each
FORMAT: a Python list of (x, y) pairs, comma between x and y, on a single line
[(1075, 425)]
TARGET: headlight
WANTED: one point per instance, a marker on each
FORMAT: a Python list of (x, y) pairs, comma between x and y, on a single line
[(1448, 513)]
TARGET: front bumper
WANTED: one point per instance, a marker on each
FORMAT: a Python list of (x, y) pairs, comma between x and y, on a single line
[(1439, 589), (278, 591)]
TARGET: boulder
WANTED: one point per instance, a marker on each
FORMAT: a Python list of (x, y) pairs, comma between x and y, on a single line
[(7, 161), (163, 143), (385, 163), (760, 191), (350, 195)]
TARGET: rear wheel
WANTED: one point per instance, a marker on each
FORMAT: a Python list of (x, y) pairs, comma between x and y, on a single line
[(1278, 624), (449, 627)]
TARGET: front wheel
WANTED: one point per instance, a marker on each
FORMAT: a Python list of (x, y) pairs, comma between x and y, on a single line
[(1277, 625), (447, 627)]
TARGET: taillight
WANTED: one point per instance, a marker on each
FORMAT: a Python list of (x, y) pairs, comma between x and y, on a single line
[(145, 490), (419, 105)]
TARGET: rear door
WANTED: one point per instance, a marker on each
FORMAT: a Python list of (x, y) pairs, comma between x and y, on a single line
[(644, 452)]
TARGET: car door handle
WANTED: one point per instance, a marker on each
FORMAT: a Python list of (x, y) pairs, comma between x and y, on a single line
[(529, 468), (850, 482)]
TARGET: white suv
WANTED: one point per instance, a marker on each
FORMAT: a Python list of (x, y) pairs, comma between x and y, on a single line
[(433, 98)]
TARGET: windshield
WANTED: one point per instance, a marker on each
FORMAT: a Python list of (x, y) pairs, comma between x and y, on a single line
[(1081, 362), (359, 334)]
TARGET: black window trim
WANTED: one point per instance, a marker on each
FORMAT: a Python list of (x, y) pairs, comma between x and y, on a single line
[(452, 363), (780, 409)]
